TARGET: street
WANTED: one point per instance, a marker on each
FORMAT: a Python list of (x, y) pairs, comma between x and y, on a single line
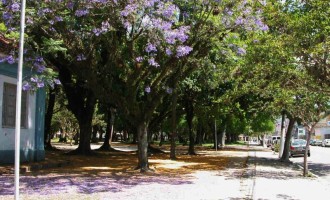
[(318, 162)]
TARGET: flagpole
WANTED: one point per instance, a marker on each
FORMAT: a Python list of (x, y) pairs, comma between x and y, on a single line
[(19, 100)]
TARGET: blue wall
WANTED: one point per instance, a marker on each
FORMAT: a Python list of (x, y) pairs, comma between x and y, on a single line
[(38, 153)]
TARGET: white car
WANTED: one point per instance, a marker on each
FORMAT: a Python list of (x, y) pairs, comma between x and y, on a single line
[(326, 143)]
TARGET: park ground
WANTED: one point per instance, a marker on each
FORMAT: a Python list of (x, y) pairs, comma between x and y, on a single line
[(236, 172)]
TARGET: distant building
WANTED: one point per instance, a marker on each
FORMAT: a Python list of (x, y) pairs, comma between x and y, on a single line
[(322, 129)]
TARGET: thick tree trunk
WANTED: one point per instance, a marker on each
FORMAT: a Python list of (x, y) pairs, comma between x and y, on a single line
[(48, 117), (288, 136), (143, 164), (81, 102), (84, 118)]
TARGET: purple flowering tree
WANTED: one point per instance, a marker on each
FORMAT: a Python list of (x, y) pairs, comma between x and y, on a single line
[(127, 53)]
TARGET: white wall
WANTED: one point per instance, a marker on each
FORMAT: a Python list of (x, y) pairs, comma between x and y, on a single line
[(7, 135)]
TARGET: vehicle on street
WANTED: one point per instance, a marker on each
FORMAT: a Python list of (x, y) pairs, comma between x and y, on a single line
[(297, 147), (316, 142), (326, 143)]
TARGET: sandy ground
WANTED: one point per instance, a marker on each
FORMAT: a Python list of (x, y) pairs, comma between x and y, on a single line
[(237, 172)]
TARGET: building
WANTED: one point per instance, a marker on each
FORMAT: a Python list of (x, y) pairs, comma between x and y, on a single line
[(322, 129), (32, 115)]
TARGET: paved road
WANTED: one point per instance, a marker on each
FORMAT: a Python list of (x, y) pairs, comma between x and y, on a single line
[(318, 162)]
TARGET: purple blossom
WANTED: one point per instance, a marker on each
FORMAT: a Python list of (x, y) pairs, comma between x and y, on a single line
[(241, 51), (147, 89), (10, 59), (80, 13), (130, 8), (15, 7), (97, 31), (58, 19), (34, 79), (70, 5), (168, 51), (169, 90), (152, 62), (151, 48), (261, 25), (40, 68), (105, 26), (81, 57), (100, 1), (150, 3), (169, 11), (139, 59), (57, 81), (7, 16), (177, 34), (40, 84), (183, 51), (26, 86), (228, 11), (240, 21)]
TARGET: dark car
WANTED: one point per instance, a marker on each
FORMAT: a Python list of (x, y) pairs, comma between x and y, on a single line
[(297, 147)]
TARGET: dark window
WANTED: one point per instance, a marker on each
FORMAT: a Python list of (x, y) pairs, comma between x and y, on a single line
[(9, 106)]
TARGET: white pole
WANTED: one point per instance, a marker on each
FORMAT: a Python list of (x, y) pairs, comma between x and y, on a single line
[(19, 100)]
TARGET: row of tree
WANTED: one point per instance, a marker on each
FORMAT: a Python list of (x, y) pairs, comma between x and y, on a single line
[(155, 61)]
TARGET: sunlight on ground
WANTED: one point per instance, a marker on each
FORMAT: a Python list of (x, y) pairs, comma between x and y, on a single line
[(171, 164), (96, 168)]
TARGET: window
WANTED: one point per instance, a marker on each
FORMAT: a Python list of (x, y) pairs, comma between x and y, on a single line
[(9, 106)]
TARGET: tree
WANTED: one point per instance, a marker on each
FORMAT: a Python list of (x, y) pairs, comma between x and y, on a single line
[(129, 53)]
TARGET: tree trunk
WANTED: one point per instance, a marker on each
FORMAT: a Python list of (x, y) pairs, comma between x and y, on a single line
[(199, 134), (288, 136), (106, 146), (189, 117), (143, 164), (81, 102), (222, 136), (173, 136), (305, 172), (95, 129), (84, 118), (48, 117)]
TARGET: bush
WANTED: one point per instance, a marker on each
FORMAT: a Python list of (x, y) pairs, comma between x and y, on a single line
[(276, 147)]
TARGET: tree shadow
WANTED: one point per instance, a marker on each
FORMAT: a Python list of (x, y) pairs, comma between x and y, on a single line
[(83, 184), (319, 169)]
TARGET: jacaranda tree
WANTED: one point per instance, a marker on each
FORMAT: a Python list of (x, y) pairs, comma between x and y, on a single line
[(130, 54)]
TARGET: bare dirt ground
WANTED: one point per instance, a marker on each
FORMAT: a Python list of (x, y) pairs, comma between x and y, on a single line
[(111, 175)]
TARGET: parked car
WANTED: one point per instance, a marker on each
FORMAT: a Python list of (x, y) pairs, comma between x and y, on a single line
[(326, 143), (316, 142), (297, 147)]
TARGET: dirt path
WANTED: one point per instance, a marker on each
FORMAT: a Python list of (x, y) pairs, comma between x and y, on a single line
[(111, 175)]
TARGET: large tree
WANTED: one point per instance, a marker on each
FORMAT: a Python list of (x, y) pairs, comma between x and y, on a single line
[(131, 53)]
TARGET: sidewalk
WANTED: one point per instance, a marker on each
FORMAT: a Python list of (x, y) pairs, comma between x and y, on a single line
[(272, 179)]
